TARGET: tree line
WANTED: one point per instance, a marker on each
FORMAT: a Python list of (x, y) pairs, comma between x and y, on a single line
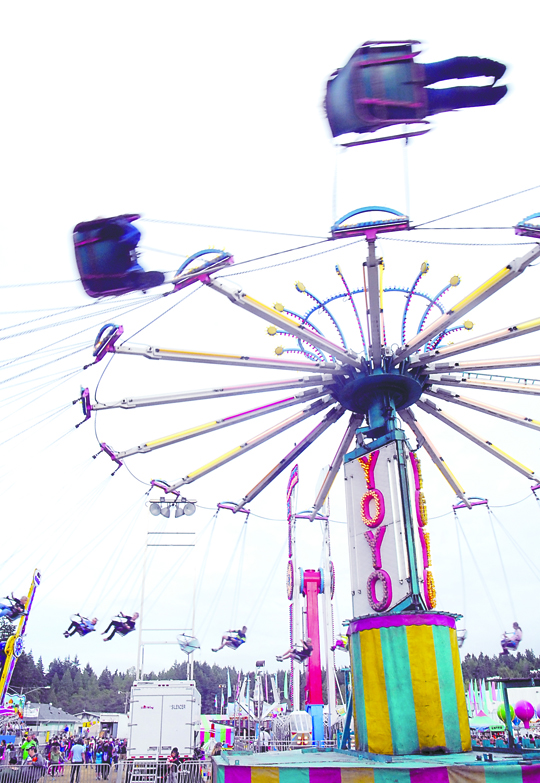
[(74, 687)]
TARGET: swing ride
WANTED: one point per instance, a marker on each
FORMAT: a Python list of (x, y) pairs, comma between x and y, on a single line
[(370, 388)]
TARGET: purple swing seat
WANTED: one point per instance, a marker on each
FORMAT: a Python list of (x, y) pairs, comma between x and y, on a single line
[(105, 250), (381, 85)]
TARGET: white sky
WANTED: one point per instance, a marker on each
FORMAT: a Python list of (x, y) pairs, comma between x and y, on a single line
[(211, 114)]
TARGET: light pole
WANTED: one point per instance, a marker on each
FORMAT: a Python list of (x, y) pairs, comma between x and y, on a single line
[(40, 688), (126, 693)]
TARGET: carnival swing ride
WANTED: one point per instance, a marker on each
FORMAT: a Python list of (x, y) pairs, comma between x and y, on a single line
[(366, 389)]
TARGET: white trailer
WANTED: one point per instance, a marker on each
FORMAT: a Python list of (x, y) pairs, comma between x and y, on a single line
[(114, 724), (164, 714)]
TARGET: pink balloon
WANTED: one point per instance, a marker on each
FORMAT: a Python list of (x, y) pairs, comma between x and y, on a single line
[(524, 711)]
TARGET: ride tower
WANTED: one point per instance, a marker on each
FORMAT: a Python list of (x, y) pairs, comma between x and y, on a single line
[(407, 686)]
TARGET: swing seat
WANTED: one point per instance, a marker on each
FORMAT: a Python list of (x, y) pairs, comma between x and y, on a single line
[(300, 655), (105, 251), (234, 642), (124, 631), (381, 85), (526, 228), (82, 631), (188, 644)]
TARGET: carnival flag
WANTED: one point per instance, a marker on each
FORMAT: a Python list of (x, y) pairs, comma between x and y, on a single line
[(215, 702), (285, 686), (229, 689)]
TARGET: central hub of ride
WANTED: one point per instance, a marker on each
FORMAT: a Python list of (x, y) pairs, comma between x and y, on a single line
[(360, 390)]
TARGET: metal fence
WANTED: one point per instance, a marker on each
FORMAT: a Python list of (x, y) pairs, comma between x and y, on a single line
[(158, 771), (244, 744), (74, 773)]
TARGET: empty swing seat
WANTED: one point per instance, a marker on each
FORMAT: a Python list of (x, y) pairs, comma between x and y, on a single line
[(105, 250), (381, 85), (188, 644)]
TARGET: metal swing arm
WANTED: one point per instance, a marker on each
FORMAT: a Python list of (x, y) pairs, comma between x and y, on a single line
[(209, 394), (514, 330), (354, 422), (310, 410), (516, 385), (152, 352), (488, 364), (302, 332), (500, 413), (480, 294), (430, 407), (331, 417), (218, 424), (374, 302), (438, 460)]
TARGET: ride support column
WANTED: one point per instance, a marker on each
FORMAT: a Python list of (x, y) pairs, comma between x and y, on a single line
[(312, 587)]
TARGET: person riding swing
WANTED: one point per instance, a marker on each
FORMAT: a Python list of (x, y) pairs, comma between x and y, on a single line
[(15, 608), (232, 639), (511, 641), (122, 626), (298, 653), (82, 626)]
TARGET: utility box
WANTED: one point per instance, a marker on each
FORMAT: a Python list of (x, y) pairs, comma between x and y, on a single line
[(164, 714)]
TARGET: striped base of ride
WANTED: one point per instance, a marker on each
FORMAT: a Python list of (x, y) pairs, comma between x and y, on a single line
[(315, 768), (408, 692)]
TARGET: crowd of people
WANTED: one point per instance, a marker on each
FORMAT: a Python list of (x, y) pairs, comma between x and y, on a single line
[(100, 753)]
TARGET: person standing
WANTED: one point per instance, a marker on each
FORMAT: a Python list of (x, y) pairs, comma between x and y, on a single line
[(54, 758), (76, 756), (36, 762), (99, 760), (107, 756), (26, 745)]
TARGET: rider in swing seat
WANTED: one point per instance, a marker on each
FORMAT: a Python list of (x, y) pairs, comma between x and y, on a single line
[(105, 250), (15, 608), (82, 626), (511, 641), (300, 653), (342, 643), (122, 626), (382, 85), (232, 639)]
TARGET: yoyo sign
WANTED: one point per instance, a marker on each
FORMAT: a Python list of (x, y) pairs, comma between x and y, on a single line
[(376, 509)]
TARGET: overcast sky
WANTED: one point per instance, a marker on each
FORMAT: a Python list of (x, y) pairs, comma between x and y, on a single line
[(211, 114)]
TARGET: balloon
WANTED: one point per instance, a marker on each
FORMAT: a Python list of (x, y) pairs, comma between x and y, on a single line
[(501, 712), (524, 711)]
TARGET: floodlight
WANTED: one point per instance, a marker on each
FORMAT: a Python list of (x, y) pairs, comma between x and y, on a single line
[(189, 509), (165, 511), (178, 511), (155, 509)]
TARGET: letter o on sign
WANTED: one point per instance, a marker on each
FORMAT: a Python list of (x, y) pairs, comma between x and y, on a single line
[(379, 576), (377, 497)]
